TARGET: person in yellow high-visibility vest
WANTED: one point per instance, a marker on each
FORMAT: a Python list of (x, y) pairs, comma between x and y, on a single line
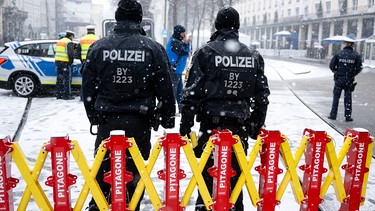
[(64, 58), (84, 45), (85, 42)]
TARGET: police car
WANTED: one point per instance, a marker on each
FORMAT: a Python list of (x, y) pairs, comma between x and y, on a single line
[(29, 66)]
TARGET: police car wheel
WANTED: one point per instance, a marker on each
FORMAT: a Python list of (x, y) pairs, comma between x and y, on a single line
[(24, 85)]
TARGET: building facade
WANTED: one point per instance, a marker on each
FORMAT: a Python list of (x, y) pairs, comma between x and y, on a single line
[(308, 21), (13, 20), (42, 19)]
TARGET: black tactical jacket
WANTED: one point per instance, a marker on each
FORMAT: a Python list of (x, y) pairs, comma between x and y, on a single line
[(127, 72), (226, 79), (346, 63)]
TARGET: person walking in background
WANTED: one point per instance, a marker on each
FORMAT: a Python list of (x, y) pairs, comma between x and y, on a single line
[(64, 59), (226, 89), (345, 65), (178, 50), (85, 42), (124, 75)]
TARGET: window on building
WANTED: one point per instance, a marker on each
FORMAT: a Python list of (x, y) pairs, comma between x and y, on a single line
[(306, 10), (297, 10), (289, 12), (276, 19), (264, 18), (355, 4), (352, 28), (319, 9), (370, 3), (343, 5), (368, 27), (328, 7)]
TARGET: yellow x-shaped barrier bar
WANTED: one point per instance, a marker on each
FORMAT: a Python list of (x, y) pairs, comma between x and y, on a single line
[(89, 177), (144, 172), (334, 174), (291, 175), (246, 166), (368, 164), (197, 178), (33, 187), (141, 184)]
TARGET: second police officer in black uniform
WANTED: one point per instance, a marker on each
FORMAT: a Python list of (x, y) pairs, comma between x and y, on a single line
[(345, 65), (227, 88), (124, 75)]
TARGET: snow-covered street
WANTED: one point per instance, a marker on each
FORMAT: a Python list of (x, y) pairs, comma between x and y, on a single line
[(49, 117)]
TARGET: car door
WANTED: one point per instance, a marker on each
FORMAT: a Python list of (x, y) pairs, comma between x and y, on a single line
[(33, 59)]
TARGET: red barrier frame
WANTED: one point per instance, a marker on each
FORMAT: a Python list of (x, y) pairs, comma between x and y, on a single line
[(222, 170), (61, 179), (355, 169), (118, 143), (313, 169), (6, 181), (172, 172), (269, 169)]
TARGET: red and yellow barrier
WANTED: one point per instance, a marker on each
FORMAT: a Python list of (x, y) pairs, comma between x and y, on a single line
[(271, 147)]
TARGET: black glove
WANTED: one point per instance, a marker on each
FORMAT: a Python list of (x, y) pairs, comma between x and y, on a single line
[(254, 129), (187, 121), (167, 122), (352, 86), (335, 76), (256, 121), (185, 129)]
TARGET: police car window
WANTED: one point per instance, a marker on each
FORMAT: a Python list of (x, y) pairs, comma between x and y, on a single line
[(52, 49), (47, 50), (29, 50)]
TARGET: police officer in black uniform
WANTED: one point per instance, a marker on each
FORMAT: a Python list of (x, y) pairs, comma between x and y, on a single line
[(124, 75), (226, 89), (345, 65)]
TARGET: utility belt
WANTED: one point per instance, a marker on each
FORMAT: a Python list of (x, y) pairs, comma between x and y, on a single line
[(222, 119)]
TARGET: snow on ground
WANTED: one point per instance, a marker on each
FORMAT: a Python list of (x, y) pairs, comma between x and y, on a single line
[(51, 118)]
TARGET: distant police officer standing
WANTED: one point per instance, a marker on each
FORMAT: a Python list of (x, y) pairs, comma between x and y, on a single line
[(227, 89), (124, 75), (64, 59), (345, 65), (85, 42)]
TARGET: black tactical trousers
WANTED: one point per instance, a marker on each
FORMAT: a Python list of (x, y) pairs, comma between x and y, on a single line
[(135, 126), (237, 128), (340, 85)]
